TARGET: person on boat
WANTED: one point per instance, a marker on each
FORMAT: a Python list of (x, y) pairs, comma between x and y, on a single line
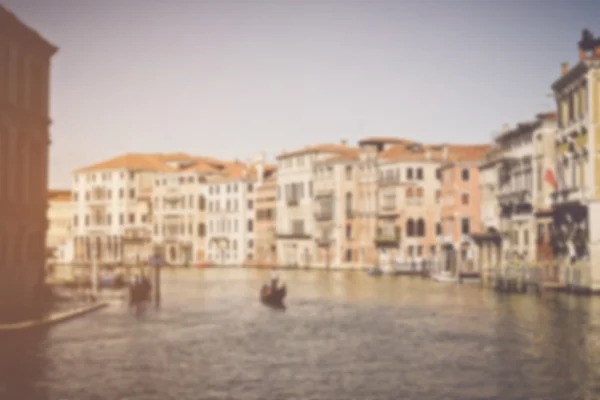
[(274, 280)]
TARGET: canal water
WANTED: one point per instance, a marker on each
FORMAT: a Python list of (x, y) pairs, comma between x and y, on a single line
[(343, 336)]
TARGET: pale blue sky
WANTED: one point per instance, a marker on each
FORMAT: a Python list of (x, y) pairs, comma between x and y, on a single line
[(232, 78)]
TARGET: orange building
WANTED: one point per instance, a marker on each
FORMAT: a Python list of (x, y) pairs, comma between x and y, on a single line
[(24, 140), (460, 206)]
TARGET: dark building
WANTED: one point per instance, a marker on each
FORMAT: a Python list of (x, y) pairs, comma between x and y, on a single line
[(24, 140)]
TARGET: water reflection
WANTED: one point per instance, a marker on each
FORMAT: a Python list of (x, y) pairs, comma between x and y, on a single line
[(344, 335)]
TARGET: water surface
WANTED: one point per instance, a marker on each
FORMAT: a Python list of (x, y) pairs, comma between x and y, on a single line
[(343, 336)]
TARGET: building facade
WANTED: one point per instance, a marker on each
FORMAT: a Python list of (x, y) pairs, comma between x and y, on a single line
[(576, 198), (265, 245), (59, 242), (460, 208), (334, 186), (295, 203), (25, 59)]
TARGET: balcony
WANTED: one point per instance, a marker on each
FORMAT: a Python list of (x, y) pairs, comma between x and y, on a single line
[(140, 235), (324, 241), (293, 235), (323, 216), (388, 238), (350, 214), (292, 201), (388, 210)]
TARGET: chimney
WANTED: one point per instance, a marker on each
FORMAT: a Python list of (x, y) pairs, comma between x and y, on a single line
[(445, 153), (582, 54), (564, 67), (344, 142)]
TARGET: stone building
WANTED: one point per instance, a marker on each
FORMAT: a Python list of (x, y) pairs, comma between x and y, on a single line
[(25, 58)]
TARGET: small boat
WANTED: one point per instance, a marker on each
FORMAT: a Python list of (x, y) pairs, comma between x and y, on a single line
[(273, 297), (444, 277), (203, 265), (375, 271)]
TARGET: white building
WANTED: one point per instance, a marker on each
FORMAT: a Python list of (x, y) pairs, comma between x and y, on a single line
[(179, 202), (295, 204), (113, 213), (60, 220), (231, 215)]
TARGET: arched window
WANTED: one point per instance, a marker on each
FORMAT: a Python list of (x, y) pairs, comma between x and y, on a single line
[(465, 175), (410, 228), (420, 227), (201, 202), (409, 192)]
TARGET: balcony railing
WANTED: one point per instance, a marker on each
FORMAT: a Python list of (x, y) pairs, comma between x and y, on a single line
[(388, 238), (293, 235), (292, 201), (323, 241), (323, 215)]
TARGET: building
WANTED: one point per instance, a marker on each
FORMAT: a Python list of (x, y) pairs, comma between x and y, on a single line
[(334, 182), (113, 207), (487, 237), (265, 244), (25, 58), (231, 215), (60, 223), (179, 205), (576, 198), (295, 204), (408, 205), (460, 207), (544, 162), (364, 227)]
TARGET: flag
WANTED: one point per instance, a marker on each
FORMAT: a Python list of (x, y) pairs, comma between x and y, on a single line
[(550, 179)]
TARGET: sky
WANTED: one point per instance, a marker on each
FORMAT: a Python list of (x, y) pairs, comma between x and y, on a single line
[(231, 79)]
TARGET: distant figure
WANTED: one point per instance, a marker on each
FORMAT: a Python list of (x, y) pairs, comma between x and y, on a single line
[(274, 280)]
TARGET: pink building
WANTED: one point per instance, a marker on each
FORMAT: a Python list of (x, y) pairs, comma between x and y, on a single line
[(460, 207)]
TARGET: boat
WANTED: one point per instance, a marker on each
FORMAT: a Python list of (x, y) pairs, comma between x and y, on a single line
[(444, 277), (375, 271), (273, 297)]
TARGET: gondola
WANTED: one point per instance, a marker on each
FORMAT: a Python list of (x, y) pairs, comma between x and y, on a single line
[(273, 297)]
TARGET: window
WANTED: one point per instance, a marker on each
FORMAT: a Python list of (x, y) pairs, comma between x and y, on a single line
[(420, 174), (132, 218), (525, 237), (249, 204), (409, 193), (465, 226), (409, 173), (250, 187), (250, 243), (348, 255), (438, 174), (438, 196), (410, 228), (201, 203), (464, 199), (420, 227), (348, 172), (348, 231), (250, 225), (419, 251), (438, 228), (465, 175)]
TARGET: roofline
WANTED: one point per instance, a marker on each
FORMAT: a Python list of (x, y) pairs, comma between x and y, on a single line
[(5, 13)]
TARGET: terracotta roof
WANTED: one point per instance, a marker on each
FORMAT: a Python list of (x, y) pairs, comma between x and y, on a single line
[(59, 195), (468, 153), (237, 171), (383, 140), (320, 148), (151, 162), (351, 155), (406, 152)]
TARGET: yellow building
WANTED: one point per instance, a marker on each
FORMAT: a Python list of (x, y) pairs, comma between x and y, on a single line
[(576, 198), (24, 140)]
